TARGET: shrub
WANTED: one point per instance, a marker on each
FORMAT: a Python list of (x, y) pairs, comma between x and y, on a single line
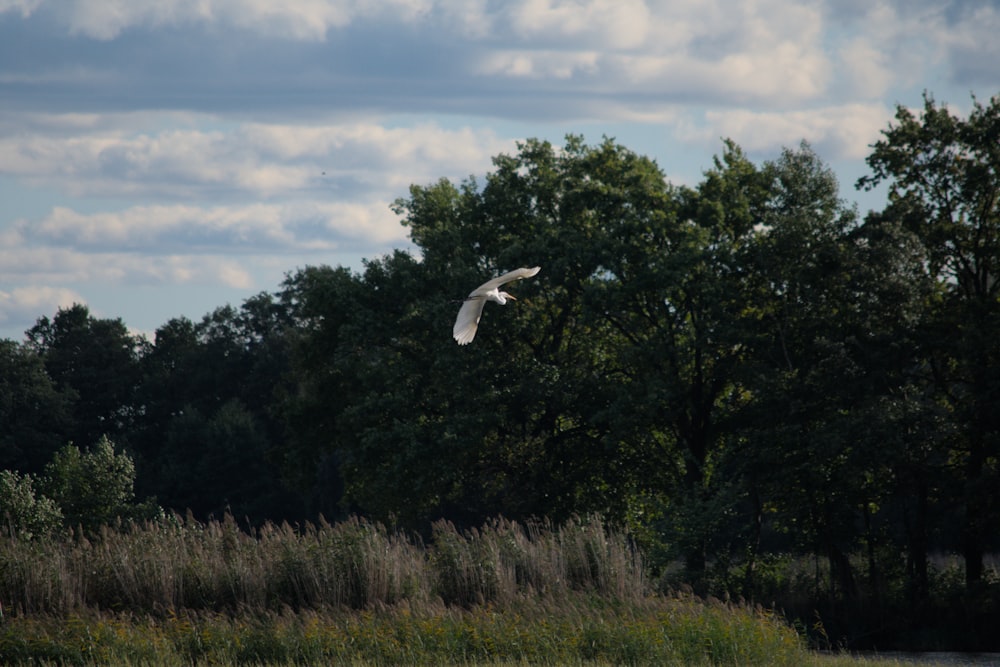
[(24, 513), (95, 487)]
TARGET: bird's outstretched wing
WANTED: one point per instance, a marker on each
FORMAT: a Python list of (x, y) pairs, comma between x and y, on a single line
[(516, 274), (468, 319)]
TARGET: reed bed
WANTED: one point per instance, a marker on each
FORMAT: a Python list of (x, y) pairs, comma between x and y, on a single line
[(180, 564), (184, 592)]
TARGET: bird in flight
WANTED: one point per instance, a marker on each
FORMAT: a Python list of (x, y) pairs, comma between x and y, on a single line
[(472, 308)]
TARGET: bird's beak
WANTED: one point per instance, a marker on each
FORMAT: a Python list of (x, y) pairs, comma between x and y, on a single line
[(511, 297)]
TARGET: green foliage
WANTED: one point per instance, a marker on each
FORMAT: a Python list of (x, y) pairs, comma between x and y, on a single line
[(95, 487), (95, 361), (217, 464), (24, 512), (942, 172), (34, 413), (210, 433), (521, 420)]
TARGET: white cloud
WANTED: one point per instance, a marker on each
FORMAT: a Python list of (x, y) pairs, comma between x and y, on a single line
[(764, 53), (619, 24), (259, 160), (470, 17), (23, 304), (784, 73), (30, 268), (865, 68), (387, 156), (161, 230), (539, 64), (904, 42), (24, 7), (308, 20), (836, 132), (614, 24), (973, 49)]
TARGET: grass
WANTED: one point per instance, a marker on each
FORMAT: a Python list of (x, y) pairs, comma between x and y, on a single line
[(184, 592), (675, 633), (703, 635)]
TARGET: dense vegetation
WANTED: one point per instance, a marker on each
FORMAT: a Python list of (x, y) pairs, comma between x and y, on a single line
[(180, 592), (186, 592), (780, 400)]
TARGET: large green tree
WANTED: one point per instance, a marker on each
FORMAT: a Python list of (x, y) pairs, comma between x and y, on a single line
[(675, 300), (35, 415), (833, 301), (519, 421), (210, 434), (943, 173), (96, 361)]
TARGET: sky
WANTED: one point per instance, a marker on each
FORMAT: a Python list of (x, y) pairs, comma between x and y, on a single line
[(162, 158)]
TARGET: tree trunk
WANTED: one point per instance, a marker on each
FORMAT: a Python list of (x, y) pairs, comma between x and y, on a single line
[(753, 547), (874, 573), (916, 533), (973, 548)]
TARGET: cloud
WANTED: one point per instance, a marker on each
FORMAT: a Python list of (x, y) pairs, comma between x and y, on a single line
[(161, 230), (835, 132), (781, 75), (865, 69), (30, 268), (539, 64), (617, 23), (421, 54), (613, 24), (305, 20), (173, 163), (767, 53), (23, 304), (23, 7), (973, 50), (258, 160), (521, 59)]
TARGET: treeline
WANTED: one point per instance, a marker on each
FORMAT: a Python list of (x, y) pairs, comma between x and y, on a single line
[(740, 372)]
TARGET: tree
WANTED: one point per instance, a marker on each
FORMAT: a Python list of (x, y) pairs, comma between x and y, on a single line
[(94, 487), (675, 300), (833, 302), (515, 423), (34, 413), (96, 361), (943, 173), (210, 433), (219, 463), (24, 512)]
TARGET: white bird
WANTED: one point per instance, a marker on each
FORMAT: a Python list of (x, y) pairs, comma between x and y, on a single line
[(472, 309)]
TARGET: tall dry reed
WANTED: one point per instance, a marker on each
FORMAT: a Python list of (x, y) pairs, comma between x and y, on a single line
[(164, 566)]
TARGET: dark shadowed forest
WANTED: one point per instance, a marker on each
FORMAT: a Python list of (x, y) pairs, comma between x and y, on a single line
[(779, 398)]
